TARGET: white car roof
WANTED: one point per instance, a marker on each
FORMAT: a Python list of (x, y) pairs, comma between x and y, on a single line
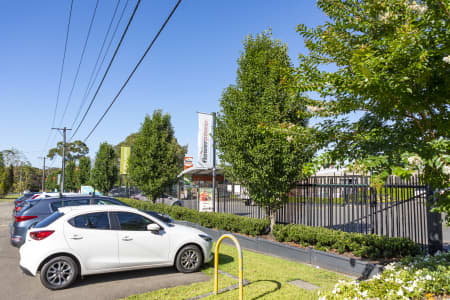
[(96, 208)]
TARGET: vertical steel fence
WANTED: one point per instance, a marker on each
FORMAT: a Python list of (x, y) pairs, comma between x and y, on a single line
[(348, 203)]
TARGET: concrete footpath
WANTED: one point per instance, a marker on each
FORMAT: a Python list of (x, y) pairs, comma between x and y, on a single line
[(16, 285)]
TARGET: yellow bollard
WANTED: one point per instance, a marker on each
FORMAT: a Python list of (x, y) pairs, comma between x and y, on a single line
[(216, 265)]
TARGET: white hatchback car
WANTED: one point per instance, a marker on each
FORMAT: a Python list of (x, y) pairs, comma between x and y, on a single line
[(91, 239)]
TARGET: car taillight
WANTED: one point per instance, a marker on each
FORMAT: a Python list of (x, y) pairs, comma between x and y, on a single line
[(40, 235), (24, 218), (35, 196), (18, 202), (18, 208)]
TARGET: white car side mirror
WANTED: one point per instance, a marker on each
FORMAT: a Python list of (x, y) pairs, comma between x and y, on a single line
[(153, 227)]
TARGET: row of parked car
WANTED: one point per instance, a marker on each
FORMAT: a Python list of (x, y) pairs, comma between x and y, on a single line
[(64, 236)]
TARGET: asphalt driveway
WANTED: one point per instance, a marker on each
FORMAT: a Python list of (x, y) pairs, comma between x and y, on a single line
[(17, 285)]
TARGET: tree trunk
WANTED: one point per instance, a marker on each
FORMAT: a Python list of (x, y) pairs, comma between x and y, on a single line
[(271, 214)]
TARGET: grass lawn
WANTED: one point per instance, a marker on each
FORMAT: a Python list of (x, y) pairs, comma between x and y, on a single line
[(269, 278)]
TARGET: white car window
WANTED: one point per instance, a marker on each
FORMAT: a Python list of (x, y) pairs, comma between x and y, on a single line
[(132, 222), (91, 221)]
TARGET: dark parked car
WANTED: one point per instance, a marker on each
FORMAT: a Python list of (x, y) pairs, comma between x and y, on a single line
[(24, 197), (38, 209)]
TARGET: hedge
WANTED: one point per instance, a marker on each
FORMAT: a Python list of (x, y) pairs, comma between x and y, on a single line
[(228, 222), (363, 245)]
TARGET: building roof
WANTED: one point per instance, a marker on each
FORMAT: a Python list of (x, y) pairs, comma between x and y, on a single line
[(201, 171)]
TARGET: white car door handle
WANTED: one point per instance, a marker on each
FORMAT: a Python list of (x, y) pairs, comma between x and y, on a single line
[(76, 237), (127, 238)]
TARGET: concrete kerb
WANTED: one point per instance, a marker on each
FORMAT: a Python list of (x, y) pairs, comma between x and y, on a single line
[(330, 261)]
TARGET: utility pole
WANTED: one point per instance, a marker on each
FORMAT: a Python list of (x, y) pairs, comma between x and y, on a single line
[(43, 175), (63, 157)]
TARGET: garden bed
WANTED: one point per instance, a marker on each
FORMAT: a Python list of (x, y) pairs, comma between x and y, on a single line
[(352, 253), (330, 261)]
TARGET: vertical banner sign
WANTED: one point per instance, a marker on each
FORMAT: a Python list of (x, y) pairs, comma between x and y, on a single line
[(124, 156), (188, 162), (204, 140)]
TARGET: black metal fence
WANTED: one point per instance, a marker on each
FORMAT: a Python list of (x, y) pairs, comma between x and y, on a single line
[(348, 203)]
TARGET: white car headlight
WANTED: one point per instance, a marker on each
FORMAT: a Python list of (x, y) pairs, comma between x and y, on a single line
[(205, 237)]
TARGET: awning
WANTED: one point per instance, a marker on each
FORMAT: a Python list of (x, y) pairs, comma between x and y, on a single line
[(201, 171)]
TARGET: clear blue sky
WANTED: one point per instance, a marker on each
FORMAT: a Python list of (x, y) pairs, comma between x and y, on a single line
[(185, 72)]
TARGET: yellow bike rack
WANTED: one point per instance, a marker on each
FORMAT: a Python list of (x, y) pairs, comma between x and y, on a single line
[(216, 265)]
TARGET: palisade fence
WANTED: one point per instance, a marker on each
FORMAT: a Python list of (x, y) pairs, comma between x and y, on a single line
[(347, 203)]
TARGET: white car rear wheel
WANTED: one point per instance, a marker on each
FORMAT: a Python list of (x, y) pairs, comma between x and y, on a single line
[(59, 273)]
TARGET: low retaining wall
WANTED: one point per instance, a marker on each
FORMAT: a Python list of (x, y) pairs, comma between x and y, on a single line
[(330, 261)]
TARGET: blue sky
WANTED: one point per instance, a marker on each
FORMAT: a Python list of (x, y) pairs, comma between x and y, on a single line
[(186, 71)]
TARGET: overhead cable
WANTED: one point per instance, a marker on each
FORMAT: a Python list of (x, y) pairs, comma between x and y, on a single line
[(135, 68)]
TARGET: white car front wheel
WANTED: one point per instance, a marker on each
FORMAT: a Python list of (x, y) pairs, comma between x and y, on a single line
[(189, 259)]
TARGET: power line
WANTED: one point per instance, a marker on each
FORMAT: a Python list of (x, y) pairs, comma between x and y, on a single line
[(107, 69), (96, 70), (135, 68), (61, 74), (80, 62)]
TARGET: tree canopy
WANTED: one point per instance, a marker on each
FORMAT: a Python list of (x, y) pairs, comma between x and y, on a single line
[(389, 63), (262, 133), (74, 150), (70, 177), (84, 170), (105, 171), (156, 158)]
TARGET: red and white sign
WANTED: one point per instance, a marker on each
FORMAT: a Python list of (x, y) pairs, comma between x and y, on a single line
[(188, 162)]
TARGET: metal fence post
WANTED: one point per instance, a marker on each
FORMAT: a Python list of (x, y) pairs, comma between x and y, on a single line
[(434, 224)]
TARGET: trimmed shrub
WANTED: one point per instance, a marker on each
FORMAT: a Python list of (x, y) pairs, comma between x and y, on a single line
[(228, 222), (364, 245)]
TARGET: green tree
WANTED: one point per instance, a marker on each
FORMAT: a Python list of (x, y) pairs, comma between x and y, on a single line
[(52, 180), (388, 61), (105, 171), (6, 180), (2, 172), (74, 150), (84, 170), (70, 177), (262, 134), (155, 159)]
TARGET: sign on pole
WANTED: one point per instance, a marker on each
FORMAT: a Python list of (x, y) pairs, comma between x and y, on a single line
[(124, 156), (188, 162), (204, 140), (205, 197)]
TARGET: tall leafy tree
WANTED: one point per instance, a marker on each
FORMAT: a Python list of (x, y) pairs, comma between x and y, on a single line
[(74, 150), (52, 180), (262, 134), (2, 172), (388, 61), (84, 170), (70, 177), (155, 158), (6, 180), (105, 171)]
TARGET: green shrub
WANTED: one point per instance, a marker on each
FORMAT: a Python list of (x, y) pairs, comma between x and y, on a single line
[(417, 277), (228, 222), (362, 245)]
